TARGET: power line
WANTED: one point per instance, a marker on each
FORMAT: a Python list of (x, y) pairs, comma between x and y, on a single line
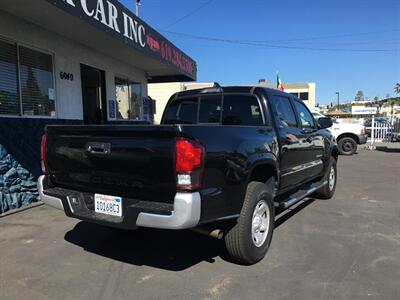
[(286, 40), (337, 36), (267, 44), (189, 14)]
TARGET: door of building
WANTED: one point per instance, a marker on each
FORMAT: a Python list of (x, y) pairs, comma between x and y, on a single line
[(93, 95)]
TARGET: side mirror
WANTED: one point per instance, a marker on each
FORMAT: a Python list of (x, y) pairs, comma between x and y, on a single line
[(324, 122)]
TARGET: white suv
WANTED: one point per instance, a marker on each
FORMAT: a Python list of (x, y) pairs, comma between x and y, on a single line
[(347, 135)]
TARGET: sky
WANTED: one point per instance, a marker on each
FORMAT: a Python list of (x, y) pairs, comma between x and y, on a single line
[(343, 45)]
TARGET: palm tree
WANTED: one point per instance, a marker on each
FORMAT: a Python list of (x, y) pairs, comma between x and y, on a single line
[(397, 88), (392, 102)]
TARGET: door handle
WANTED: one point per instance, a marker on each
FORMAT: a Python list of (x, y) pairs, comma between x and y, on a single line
[(98, 148)]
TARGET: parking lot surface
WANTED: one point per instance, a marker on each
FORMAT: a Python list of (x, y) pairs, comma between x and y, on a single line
[(344, 248)]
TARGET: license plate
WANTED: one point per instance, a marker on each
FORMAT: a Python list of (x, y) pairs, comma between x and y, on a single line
[(108, 205)]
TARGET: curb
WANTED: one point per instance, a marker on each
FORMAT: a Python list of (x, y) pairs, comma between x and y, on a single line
[(21, 209)]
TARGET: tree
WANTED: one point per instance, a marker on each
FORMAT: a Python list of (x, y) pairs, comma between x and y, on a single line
[(392, 102), (397, 88), (359, 96), (380, 104)]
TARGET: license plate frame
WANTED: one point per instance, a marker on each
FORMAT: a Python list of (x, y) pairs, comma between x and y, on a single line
[(108, 205)]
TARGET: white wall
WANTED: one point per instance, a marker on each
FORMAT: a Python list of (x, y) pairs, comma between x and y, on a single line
[(161, 92), (311, 102), (68, 56)]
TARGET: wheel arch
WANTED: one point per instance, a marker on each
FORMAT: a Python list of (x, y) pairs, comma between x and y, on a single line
[(349, 135), (264, 170)]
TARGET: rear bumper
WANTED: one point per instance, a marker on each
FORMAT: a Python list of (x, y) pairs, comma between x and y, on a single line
[(47, 199), (184, 213), (362, 138)]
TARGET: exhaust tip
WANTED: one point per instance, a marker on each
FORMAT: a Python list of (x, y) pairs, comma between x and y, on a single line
[(214, 233), (217, 233)]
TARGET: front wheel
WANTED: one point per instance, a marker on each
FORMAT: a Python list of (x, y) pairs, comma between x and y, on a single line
[(249, 239), (347, 146)]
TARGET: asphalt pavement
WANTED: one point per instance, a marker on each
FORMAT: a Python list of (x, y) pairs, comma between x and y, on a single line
[(347, 247)]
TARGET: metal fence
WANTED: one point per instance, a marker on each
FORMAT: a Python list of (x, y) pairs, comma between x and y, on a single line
[(382, 132)]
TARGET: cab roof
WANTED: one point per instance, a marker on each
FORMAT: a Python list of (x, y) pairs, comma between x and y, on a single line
[(227, 89)]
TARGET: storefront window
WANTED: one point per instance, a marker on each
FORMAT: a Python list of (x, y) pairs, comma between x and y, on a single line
[(129, 103), (9, 93), (36, 73), (29, 85)]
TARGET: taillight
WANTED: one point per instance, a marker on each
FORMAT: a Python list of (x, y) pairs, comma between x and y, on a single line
[(43, 161), (189, 164)]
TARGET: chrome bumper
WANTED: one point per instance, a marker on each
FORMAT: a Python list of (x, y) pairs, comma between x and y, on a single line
[(49, 200), (186, 213)]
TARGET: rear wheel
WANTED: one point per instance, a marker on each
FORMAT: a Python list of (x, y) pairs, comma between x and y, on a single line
[(347, 146), (328, 190), (248, 240)]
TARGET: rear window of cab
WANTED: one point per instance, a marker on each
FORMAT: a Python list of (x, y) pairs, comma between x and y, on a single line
[(226, 110)]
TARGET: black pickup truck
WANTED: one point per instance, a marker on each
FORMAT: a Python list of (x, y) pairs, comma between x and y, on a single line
[(221, 162)]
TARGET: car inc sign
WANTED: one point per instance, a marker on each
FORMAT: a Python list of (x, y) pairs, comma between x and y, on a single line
[(111, 16)]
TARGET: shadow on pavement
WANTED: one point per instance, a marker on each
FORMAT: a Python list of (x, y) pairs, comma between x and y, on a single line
[(387, 149), (290, 212), (169, 250), (164, 249)]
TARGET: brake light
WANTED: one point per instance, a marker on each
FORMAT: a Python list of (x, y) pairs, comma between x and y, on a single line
[(43, 161), (189, 164)]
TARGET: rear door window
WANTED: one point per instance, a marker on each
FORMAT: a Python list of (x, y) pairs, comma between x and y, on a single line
[(241, 110), (182, 111)]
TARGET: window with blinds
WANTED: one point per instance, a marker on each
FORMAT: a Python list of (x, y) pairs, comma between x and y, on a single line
[(26, 81), (9, 92)]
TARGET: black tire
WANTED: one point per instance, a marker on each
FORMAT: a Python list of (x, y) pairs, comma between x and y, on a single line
[(239, 239), (347, 146), (328, 191)]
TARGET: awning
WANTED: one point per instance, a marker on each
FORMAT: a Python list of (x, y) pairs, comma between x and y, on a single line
[(338, 114), (109, 28)]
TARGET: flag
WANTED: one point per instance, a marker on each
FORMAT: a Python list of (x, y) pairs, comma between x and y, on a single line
[(279, 84)]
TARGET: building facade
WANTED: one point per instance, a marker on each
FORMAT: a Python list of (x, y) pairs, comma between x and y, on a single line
[(73, 62), (161, 92)]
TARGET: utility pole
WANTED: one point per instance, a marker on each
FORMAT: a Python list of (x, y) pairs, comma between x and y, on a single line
[(137, 7), (338, 103)]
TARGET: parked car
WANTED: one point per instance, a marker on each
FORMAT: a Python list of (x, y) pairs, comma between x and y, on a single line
[(348, 135), (395, 133), (221, 162)]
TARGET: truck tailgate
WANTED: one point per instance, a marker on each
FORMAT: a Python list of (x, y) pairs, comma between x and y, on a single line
[(127, 161)]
